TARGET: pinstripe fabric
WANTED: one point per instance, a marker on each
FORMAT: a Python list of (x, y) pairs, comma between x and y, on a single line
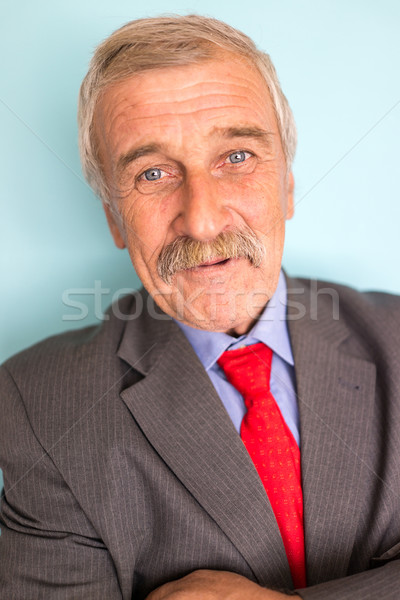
[(111, 443)]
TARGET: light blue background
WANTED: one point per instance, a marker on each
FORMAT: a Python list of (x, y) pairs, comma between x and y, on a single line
[(339, 66)]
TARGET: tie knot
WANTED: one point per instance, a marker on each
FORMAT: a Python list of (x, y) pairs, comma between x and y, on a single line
[(248, 369)]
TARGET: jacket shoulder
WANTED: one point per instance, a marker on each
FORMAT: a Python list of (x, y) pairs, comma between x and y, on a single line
[(369, 320), (64, 361), (351, 299)]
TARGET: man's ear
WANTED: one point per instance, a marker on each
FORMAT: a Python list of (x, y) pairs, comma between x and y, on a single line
[(113, 225), (290, 197)]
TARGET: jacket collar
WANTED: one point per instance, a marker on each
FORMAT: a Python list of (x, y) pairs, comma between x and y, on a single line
[(179, 411)]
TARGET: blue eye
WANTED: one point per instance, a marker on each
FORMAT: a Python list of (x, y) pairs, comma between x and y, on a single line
[(237, 157), (152, 174)]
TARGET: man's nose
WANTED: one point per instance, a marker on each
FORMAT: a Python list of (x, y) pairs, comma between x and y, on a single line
[(204, 213)]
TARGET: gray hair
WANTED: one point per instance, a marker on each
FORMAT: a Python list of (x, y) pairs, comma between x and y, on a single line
[(162, 42)]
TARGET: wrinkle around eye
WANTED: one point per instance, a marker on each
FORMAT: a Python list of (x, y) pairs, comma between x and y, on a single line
[(244, 167), (246, 157), (143, 175), (146, 186)]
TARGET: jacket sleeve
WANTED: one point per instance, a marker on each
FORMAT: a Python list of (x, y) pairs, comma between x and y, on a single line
[(48, 548), (382, 582)]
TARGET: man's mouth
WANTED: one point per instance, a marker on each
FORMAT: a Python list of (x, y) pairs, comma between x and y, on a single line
[(195, 258), (213, 262)]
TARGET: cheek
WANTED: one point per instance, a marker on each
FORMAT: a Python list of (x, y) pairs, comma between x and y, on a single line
[(146, 227), (258, 202)]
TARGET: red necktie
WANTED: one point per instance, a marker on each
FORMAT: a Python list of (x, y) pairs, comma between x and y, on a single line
[(271, 446)]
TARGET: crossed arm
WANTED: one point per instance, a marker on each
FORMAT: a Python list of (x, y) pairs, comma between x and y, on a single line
[(214, 585)]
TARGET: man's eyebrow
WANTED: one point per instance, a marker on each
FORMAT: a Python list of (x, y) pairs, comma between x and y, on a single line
[(246, 131), (226, 132), (132, 155)]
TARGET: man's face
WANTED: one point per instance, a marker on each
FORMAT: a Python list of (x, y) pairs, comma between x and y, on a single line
[(192, 152)]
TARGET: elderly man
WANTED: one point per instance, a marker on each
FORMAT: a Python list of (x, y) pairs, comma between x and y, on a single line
[(229, 433)]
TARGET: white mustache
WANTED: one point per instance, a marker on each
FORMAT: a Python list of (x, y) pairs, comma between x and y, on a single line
[(187, 253)]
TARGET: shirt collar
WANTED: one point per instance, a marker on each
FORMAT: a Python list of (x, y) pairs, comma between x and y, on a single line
[(270, 328)]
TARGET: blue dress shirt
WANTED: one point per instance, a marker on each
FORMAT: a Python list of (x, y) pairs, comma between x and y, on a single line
[(271, 329)]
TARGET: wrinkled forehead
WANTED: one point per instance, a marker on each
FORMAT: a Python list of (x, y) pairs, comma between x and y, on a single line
[(228, 88), (147, 81)]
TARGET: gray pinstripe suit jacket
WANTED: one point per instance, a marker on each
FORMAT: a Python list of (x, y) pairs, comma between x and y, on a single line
[(123, 470)]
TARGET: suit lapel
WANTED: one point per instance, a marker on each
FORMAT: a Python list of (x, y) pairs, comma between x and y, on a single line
[(178, 410), (335, 398)]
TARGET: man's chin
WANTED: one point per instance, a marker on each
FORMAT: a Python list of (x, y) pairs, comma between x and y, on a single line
[(227, 296), (223, 318)]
